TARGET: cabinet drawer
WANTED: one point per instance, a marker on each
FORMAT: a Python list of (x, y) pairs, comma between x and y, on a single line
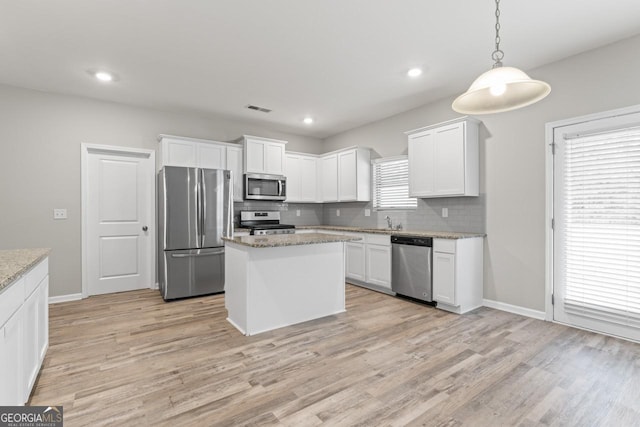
[(35, 276), (378, 239), (11, 299), (444, 245)]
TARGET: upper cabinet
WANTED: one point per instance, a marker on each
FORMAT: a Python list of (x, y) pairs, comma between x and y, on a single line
[(234, 164), (346, 175), (444, 159), (263, 155), (202, 153), (302, 178)]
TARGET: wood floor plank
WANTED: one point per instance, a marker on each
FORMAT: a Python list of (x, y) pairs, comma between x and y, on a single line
[(132, 359)]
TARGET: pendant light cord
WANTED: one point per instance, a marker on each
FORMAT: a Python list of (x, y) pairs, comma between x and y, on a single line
[(497, 54)]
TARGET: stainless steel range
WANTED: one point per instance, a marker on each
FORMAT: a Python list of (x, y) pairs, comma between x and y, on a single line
[(264, 222)]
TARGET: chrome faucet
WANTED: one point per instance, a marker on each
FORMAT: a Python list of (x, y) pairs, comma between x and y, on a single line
[(389, 223)]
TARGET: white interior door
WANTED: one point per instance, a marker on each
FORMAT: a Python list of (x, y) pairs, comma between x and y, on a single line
[(119, 220), (596, 237)]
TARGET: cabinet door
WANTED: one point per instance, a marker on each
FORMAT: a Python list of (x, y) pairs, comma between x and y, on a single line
[(421, 164), (308, 178), (294, 179), (43, 319), (254, 156), (30, 356), (274, 158), (379, 265), (355, 261), (11, 370), (211, 156), (234, 164), (347, 176), (444, 278), (329, 178), (179, 153), (449, 160)]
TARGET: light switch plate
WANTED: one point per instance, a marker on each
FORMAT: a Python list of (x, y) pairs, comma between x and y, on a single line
[(297, 212), (59, 214), (445, 212), (367, 212), (337, 212)]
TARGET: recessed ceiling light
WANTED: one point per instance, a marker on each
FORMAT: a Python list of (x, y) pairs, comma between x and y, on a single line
[(103, 76), (414, 72), (308, 120)]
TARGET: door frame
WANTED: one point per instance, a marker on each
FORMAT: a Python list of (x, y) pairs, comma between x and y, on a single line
[(549, 166), (85, 150)]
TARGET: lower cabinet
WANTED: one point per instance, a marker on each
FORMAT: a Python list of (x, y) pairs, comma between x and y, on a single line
[(369, 263), (24, 335), (355, 261), (457, 274), (11, 372)]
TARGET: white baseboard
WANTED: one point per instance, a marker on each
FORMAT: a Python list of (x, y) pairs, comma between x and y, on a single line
[(65, 298), (516, 309), (155, 286)]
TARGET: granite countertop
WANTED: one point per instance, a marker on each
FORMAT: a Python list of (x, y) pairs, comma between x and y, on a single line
[(278, 240), (15, 262), (420, 233)]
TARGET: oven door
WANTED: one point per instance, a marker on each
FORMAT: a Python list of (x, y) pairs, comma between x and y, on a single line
[(265, 187)]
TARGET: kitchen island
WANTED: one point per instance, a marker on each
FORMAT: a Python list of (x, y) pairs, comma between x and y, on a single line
[(280, 280)]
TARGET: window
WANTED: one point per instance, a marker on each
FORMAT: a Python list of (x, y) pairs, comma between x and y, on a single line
[(391, 184)]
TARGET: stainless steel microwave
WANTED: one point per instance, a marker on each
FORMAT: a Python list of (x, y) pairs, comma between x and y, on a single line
[(265, 187)]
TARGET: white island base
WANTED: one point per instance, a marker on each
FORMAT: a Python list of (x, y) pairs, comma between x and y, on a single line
[(271, 287)]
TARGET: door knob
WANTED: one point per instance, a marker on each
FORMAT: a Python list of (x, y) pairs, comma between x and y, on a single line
[(145, 228)]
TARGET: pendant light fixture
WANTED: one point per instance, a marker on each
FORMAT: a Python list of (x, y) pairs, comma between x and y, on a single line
[(501, 88)]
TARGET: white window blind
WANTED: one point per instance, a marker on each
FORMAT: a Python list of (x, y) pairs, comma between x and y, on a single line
[(391, 184), (602, 208)]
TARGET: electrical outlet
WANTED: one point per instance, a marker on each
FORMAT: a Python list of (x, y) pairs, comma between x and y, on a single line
[(297, 212), (367, 212), (445, 212), (59, 214), (337, 212)]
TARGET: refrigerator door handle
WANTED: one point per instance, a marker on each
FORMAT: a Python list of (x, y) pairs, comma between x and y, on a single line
[(229, 205), (220, 252), (198, 222), (202, 212)]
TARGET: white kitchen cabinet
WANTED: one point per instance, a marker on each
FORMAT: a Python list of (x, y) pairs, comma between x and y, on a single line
[(30, 356), (202, 153), (211, 156), (263, 155), (444, 159), (329, 174), (379, 265), (24, 333), (346, 175), (301, 172), (457, 274), (234, 164), (11, 324), (191, 152), (369, 262), (355, 261)]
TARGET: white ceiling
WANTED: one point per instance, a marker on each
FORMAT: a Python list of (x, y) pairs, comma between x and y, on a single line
[(344, 62)]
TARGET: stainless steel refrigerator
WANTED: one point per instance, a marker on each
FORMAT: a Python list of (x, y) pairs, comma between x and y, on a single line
[(195, 210)]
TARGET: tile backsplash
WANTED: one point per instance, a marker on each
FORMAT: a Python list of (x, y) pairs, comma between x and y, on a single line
[(464, 214)]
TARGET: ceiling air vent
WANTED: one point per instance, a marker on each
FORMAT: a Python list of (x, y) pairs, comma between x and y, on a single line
[(255, 107)]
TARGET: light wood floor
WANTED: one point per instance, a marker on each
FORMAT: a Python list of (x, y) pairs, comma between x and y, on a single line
[(132, 359)]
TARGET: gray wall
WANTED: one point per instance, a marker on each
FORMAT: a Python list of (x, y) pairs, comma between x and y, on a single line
[(41, 135), (513, 159)]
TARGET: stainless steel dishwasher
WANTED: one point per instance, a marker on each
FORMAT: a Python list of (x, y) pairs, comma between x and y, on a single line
[(411, 266)]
